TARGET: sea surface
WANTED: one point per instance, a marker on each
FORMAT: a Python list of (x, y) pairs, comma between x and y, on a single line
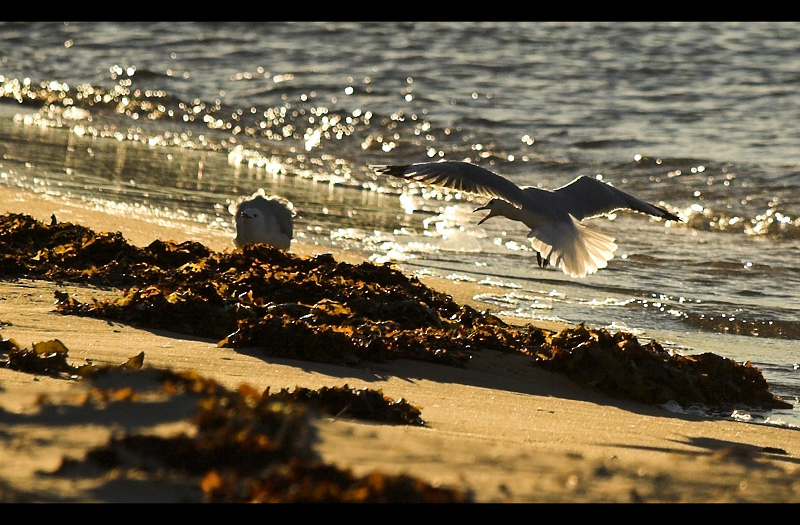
[(176, 121)]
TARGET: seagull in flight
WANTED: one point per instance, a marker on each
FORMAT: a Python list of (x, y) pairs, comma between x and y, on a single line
[(261, 220), (555, 217)]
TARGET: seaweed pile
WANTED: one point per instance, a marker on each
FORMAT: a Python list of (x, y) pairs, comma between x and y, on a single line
[(620, 366), (257, 447), (249, 446), (51, 358), (315, 308)]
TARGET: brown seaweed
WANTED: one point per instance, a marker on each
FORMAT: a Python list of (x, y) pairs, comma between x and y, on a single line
[(620, 366), (250, 446), (364, 404), (50, 358), (315, 308)]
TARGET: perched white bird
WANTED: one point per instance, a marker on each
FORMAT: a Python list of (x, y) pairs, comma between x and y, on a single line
[(554, 216), (260, 220)]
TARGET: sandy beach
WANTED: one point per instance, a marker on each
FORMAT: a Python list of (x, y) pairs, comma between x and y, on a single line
[(498, 430)]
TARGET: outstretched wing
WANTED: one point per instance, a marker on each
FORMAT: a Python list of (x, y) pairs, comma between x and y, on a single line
[(586, 197), (460, 176)]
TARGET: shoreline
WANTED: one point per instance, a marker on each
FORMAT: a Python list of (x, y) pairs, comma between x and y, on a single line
[(143, 231), (499, 429)]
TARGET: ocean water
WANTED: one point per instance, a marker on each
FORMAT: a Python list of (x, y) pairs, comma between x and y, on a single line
[(178, 120)]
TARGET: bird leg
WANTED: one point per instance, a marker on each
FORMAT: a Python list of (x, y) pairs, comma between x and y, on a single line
[(543, 263)]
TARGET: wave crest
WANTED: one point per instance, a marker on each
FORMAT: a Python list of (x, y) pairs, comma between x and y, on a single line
[(772, 223)]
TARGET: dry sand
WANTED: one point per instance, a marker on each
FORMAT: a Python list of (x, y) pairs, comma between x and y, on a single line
[(500, 428)]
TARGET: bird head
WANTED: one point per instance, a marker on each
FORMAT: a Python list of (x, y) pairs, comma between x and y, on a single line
[(492, 207), (250, 214)]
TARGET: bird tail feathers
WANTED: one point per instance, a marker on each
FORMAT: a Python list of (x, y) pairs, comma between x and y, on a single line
[(573, 247)]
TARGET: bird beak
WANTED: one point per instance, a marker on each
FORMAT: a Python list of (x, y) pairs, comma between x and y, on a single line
[(481, 209)]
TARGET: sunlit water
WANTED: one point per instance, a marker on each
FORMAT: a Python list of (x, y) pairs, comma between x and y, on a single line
[(178, 120)]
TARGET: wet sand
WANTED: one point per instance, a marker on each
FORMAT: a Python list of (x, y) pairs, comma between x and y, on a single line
[(499, 429)]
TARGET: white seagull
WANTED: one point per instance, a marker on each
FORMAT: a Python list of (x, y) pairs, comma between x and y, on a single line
[(554, 216), (260, 220)]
